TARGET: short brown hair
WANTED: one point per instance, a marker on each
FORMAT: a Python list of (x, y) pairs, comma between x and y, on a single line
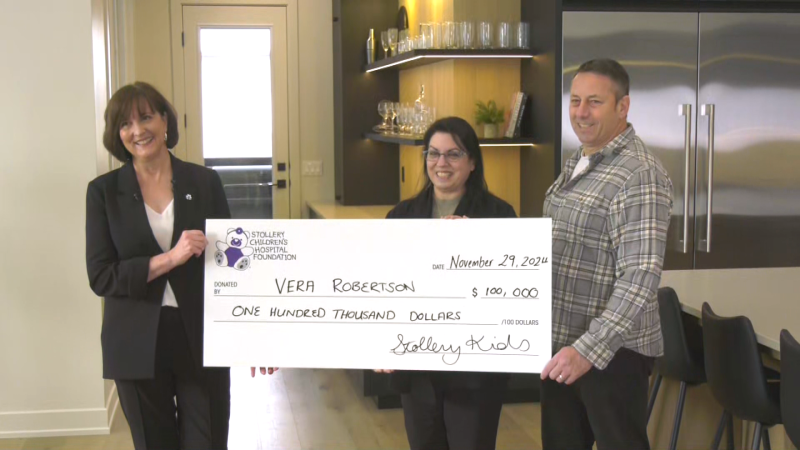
[(611, 69), (119, 110)]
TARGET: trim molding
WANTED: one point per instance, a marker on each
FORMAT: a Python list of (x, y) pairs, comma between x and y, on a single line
[(65, 422), (60, 422), (101, 70)]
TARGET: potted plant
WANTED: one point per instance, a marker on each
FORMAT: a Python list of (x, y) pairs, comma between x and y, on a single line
[(489, 116)]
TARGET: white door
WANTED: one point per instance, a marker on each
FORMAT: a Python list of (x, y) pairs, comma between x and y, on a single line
[(236, 103)]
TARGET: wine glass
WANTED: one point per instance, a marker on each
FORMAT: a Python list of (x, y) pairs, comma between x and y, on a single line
[(393, 40), (408, 118), (401, 120), (385, 42), (395, 113), (383, 110)]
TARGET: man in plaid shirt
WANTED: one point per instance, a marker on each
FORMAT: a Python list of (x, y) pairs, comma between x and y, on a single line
[(610, 209)]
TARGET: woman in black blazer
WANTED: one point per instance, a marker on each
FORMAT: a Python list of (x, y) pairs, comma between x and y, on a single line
[(144, 241), (451, 410)]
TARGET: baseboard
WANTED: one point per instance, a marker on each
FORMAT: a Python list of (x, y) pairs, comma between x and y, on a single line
[(65, 422), (54, 433)]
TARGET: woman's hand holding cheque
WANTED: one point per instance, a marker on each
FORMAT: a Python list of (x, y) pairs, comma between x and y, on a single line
[(263, 371)]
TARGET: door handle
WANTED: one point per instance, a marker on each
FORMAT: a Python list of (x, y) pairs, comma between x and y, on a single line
[(709, 110), (686, 111), (281, 184)]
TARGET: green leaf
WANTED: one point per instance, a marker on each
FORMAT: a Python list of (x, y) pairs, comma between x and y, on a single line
[(488, 113)]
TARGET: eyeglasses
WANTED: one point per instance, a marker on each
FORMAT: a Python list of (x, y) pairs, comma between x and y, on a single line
[(451, 156)]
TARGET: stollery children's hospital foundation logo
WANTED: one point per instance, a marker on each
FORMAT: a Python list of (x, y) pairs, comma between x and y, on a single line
[(234, 252)]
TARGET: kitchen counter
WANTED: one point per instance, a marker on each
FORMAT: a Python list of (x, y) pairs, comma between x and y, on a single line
[(333, 210)]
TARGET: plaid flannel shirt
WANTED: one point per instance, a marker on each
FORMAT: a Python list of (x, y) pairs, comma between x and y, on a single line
[(609, 236)]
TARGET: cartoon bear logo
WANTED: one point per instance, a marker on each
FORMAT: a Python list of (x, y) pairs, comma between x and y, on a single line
[(234, 252)]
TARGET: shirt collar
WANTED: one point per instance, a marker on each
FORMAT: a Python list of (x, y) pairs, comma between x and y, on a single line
[(615, 146)]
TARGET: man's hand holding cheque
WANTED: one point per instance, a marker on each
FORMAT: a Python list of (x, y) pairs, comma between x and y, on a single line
[(566, 366)]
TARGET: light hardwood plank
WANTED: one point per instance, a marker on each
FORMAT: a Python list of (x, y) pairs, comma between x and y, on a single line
[(303, 409)]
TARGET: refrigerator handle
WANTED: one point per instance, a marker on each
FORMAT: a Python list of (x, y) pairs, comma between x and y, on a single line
[(708, 110), (686, 111)]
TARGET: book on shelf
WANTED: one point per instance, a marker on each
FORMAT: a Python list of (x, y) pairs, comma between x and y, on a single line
[(510, 115), (520, 115), (513, 129)]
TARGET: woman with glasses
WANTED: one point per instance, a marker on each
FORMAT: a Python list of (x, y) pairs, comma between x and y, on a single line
[(451, 410)]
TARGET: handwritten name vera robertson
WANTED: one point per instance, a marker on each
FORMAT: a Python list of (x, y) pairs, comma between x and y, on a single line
[(452, 353), (287, 286)]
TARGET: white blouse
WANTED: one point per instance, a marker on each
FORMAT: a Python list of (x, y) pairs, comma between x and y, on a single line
[(162, 225)]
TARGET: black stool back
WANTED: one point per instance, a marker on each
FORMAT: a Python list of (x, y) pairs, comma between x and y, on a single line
[(790, 386), (736, 374), (683, 355), (683, 342)]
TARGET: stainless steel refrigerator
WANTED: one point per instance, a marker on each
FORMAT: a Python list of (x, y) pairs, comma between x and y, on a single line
[(716, 97)]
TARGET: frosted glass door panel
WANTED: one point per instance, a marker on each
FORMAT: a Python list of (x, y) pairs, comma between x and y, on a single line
[(236, 92)]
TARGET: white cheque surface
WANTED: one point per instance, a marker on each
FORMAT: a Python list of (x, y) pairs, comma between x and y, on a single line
[(411, 294)]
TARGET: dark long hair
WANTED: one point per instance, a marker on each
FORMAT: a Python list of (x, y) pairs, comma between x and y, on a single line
[(466, 139)]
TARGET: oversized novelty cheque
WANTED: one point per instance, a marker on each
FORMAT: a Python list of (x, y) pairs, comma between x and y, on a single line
[(458, 295)]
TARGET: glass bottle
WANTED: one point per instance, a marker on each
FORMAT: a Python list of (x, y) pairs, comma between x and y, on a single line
[(419, 103)]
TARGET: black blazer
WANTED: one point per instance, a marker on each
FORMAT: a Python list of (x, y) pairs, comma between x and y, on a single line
[(484, 205), (119, 245)]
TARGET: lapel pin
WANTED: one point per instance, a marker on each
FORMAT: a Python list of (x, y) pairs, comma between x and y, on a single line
[(188, 196)]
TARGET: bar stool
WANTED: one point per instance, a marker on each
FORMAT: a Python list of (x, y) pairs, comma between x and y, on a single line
[(790, 386), (736, 375), (683, 354)]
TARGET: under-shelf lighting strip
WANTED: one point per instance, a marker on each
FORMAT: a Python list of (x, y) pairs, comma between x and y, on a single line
[(447, 57), (489, 144), (486, 144)]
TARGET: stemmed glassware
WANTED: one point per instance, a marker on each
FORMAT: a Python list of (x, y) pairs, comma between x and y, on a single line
[(393, 40), (395, 112), (384, 109), (385, 42), (410, 119)]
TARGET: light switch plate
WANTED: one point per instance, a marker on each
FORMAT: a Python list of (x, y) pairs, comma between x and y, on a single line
[(312, 168)]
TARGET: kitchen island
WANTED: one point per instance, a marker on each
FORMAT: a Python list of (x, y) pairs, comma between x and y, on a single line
[(769, 298), (333, 210)]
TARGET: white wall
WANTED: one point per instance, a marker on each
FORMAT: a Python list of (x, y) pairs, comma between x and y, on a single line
[(50, 363)]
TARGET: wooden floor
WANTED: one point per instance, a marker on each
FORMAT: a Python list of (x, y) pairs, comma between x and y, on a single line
[(303, 409)]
